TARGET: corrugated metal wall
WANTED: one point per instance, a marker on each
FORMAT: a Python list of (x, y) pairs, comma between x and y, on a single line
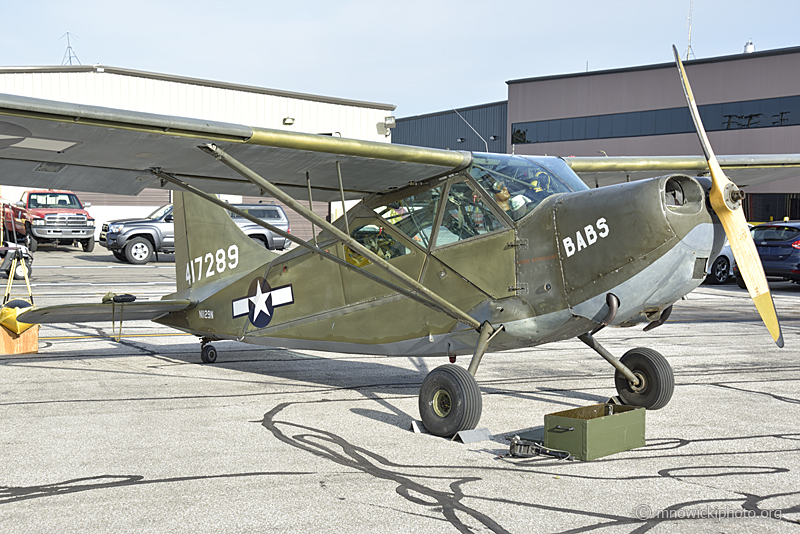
[(170, 97), (445, 129)]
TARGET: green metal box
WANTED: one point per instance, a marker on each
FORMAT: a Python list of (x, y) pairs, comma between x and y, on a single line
[(595, 431)]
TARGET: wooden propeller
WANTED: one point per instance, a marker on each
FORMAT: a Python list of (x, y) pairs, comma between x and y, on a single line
[(726, 200)]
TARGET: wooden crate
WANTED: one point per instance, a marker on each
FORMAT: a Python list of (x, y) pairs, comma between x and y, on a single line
[(24, 343)]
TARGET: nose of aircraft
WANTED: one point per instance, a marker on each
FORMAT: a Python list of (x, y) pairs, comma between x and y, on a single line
[(648, 242)]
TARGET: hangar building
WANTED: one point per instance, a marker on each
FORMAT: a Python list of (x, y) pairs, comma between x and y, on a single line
[(113, 87), (749, 102)]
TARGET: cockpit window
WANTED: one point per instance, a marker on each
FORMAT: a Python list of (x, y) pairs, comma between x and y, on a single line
[(465, 215), (518, 184), (414, 215), (377, 240)]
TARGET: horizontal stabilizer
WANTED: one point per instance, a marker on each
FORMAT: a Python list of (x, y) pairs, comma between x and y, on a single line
[(86, 313)]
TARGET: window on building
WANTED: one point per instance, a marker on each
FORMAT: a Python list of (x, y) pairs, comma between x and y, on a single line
[(764, 113)]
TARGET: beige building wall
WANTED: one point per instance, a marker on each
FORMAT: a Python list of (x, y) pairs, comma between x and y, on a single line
[(717, 80)]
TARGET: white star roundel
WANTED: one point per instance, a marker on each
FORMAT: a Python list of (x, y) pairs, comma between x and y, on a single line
[(261, 302)]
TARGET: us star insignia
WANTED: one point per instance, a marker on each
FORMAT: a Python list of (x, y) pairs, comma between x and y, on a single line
[(261, 302)]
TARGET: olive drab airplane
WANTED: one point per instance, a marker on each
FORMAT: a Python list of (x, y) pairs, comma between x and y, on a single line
[(447, 253)]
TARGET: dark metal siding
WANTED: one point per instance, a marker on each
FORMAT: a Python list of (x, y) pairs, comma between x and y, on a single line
[(442, 130)]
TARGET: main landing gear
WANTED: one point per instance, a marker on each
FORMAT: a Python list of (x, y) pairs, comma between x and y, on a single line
[(643, 378), (450, 399)]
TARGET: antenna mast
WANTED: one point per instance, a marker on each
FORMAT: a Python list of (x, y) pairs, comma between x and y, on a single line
[(471, 128), (69, 53), (689, 50)]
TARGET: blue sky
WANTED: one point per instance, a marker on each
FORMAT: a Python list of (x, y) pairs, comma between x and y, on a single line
[(422, 56)]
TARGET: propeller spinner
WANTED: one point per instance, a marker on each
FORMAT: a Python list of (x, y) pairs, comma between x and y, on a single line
[(726, 200)]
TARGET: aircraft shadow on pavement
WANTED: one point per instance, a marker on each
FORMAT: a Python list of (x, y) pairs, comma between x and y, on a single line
[(378, 378)]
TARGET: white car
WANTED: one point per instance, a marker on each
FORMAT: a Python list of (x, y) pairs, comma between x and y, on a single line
[(720, 270)]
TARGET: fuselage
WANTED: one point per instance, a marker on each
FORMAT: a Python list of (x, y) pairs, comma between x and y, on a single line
[(519, 242)]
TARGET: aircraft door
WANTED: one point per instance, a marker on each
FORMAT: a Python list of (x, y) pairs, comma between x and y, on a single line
[(379, 238)]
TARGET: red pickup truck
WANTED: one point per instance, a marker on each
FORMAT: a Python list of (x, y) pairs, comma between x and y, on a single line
[(57, 217), (15, 219)]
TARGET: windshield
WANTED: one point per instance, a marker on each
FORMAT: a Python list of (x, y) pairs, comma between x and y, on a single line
[(160, 212), (262, 212), (519, 183), (54, 200)]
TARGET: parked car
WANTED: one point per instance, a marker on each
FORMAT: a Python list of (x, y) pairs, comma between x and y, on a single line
[(271, 213), (720, 270), (57, 217), (15, 219), (778, 246), (137, 240)]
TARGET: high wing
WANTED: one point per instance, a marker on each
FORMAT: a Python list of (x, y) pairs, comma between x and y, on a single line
[(744, 170), (89, 148), (107, 311)]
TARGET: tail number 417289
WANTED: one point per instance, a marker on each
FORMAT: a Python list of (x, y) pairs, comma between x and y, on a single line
[(210, 264)]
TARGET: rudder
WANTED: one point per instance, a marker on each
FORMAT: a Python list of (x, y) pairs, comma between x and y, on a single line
[(208, 244)]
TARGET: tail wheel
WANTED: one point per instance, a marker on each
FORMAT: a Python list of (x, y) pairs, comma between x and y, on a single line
[(208, 354), (656, 380), (449, 401)]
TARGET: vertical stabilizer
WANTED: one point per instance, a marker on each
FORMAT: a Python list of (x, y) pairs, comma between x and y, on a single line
[(209, 245)]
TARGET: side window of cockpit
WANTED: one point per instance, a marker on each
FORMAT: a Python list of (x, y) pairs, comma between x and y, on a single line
[(377, 240), (465, 216), (414, 215)]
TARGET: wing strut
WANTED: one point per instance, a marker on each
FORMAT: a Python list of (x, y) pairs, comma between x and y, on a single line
[(419, 289), (414, 296)]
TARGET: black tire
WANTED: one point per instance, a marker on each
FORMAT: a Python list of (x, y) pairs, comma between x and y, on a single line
[(720, 270), (33, 243), (139, 251), (740, 281), (657, 381), (449, 401), (208, 354), (120, 256), (259, 240), (88, 244)]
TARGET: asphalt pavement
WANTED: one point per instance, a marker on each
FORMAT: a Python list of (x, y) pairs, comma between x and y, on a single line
[(139, 436)]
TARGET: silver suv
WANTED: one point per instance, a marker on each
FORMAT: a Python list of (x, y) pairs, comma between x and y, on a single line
[(137, 240), (271, 213)]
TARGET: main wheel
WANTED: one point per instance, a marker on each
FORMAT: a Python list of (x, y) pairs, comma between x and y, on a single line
[(720, 270), (208, 354), (138, 250), (88, 244), (656, 380), (449, 401)]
